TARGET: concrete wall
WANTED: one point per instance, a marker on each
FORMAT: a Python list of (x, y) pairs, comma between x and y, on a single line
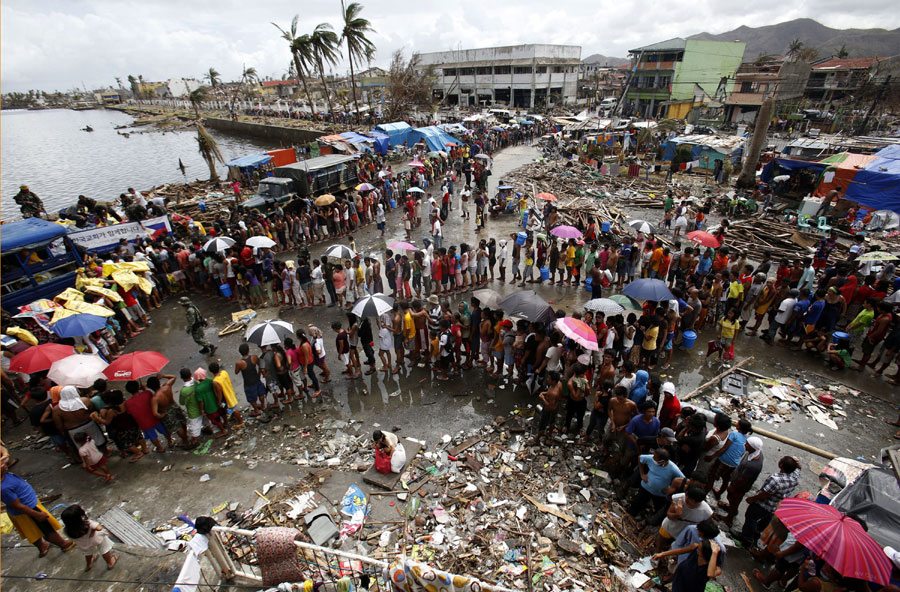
[(705, 64), (283, 136)]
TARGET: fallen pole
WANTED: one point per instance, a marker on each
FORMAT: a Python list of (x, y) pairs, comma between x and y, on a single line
[(794, 443), (719, 377)]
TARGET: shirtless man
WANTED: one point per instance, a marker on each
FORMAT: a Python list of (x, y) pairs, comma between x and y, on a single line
[(71, 412), (607, 367), (621, 410), (397, 330), (164, 408), (550, 399), (612, 262)]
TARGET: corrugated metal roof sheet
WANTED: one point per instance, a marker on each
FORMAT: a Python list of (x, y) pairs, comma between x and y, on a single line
[(809, 144), (722, 144), (128, 530)]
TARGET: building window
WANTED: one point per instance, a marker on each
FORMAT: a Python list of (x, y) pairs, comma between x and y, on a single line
[(652, 58), (746, 87), (483, 70), (558, 69), (522, 70), (467, 71), (451, 72), (502, 70), (541, 70), (669, 57)]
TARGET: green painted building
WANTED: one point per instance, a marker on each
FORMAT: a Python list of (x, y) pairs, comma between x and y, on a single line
[(670, 77)]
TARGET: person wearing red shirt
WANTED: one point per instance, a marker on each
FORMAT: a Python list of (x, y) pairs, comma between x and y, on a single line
[(247, 256), (783, 273)]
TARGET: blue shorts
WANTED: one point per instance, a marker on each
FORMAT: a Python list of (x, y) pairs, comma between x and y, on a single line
[(380, 226), (254, 392), (669, 339), (508, 359), (155, 432), (229, 411), (498, 354)]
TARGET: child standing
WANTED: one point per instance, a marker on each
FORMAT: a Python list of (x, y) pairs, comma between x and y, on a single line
[(92, 459), (88, 536)]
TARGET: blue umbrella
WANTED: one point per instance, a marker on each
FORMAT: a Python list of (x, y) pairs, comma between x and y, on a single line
[(505, 187), (78, 325), (648, 289)]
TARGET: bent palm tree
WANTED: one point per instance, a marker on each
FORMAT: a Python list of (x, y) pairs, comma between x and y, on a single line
[(197, 98), (215, 79), (301, 52), (358, 45), (209, 150), (324, 42)]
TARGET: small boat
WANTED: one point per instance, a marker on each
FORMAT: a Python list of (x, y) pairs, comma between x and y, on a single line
[(87, 128)]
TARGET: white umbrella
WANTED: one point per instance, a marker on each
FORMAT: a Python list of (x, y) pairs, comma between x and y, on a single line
[(260, 242), (415, 190), (604, 305), (488, 298), (340, 251), (269, 332), (877, 256), (483, 156), (641, 226), (218, 244), (373, 305), (79, 370)]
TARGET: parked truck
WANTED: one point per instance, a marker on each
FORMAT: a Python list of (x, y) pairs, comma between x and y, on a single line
[(307, 178)]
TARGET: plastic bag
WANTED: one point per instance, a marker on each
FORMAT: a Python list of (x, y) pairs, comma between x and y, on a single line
[(382, 462)]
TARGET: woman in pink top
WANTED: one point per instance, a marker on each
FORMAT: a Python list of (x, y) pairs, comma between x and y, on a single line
[(340, 284)]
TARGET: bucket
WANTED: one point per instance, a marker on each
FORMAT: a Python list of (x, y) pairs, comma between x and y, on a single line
[(393, 204), (225, 289), (604, 227), (687, 339), (545, 273), (525, 220), (587, 285), (838, 335), (521, 237)]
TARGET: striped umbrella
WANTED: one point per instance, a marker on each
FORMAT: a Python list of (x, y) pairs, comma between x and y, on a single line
[(579, 331), (365, 187), (340, 252), (373, 305), (269, 332), (218, 244), (838, 539), (641, 226)]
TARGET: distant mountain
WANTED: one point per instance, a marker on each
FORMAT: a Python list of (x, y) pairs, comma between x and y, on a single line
[(775, 39), (605, 60)]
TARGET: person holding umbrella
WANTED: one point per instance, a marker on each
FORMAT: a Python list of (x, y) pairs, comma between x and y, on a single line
[(195, 325)]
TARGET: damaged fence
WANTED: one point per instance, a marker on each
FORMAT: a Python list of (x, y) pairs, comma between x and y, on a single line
[(236, 555)]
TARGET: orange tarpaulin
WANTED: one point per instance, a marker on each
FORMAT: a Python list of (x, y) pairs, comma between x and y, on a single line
[(283, 156), (841, 170)]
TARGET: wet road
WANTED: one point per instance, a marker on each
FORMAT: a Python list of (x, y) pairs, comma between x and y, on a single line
[(422, 408)]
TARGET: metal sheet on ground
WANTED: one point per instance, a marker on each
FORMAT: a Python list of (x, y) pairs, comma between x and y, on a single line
[(128, 530)]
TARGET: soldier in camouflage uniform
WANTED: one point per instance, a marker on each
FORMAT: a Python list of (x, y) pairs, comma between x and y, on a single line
[(195, 325), (29, 203)]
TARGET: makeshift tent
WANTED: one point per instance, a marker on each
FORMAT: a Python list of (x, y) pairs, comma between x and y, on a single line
[(397, 132), (382, 141), (874, 497), (247, 165), (361, 142), (874, 183), (841, 170), (706, 148), (785, 166), (335, 142), (434, 137)]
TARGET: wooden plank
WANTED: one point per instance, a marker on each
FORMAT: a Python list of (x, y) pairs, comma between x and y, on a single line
[(547, 509), (389, 481), (464, 446)]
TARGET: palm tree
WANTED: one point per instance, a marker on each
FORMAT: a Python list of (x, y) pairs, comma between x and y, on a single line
[(209, 150), (301, 52), (842, 52), (141, 85), (132, 81), (795, 46), (118, 82), (324, 43), (197, 97), (215, 79), (358, 45)]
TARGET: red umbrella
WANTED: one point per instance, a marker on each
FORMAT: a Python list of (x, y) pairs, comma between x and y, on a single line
[(546, 196), (704, 238), (136, 365), (39, 357), (838, 539)]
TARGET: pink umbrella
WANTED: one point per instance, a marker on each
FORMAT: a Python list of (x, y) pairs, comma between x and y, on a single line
[(579, 331), (703, 238), (403, 246), (564, 231), (837, 538), (416, 163)]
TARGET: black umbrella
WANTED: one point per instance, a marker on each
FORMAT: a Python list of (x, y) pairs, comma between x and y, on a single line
[(528, 305), (374, 305)]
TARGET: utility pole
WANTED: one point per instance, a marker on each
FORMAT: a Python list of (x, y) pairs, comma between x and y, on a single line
[(881, 90), (748, 172), (618, 109)]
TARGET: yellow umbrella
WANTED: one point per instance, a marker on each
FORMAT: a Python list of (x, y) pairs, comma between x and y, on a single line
[(23, 334), (69, 294), (111, 294), (325, 200), (62, 313), (94, 309)]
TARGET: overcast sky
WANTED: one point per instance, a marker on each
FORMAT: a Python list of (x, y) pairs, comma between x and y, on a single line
[(60, 44)]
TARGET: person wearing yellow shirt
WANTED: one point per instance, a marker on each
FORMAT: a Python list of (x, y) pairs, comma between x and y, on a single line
[(570, 260), (735, 293), (655, 259), (648, 345), (728, 330), (225, 394)]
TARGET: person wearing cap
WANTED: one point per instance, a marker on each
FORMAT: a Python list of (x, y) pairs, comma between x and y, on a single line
[(666, 439), (30, 204), (748, 470), (195, 325)]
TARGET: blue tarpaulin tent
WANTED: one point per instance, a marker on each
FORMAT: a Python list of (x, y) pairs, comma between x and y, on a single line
[(785, 166), (361, 142), (397, 132), (434, 137), (249, 161), (382, 141), (877, 186)]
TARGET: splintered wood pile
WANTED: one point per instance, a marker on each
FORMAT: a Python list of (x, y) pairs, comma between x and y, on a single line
[(185, 199), (783, 241)]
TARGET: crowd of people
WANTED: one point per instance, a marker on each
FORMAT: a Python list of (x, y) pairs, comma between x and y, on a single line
[(673, 457)]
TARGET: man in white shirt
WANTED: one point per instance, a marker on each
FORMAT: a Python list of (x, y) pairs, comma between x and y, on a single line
[(426, 272), (464, 196), (785, 309), (809, 275), (137, 197), (436, 229)]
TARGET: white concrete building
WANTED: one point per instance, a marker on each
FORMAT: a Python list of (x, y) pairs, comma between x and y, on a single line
[(180, 87), (524, 76)]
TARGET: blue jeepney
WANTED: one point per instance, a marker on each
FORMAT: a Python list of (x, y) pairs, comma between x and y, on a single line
[(38, 261)]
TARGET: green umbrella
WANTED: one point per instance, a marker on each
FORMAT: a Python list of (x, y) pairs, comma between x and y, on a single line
[(626, 301)]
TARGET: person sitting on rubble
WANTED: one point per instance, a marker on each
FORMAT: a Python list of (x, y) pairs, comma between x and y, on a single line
[(388, 448)]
